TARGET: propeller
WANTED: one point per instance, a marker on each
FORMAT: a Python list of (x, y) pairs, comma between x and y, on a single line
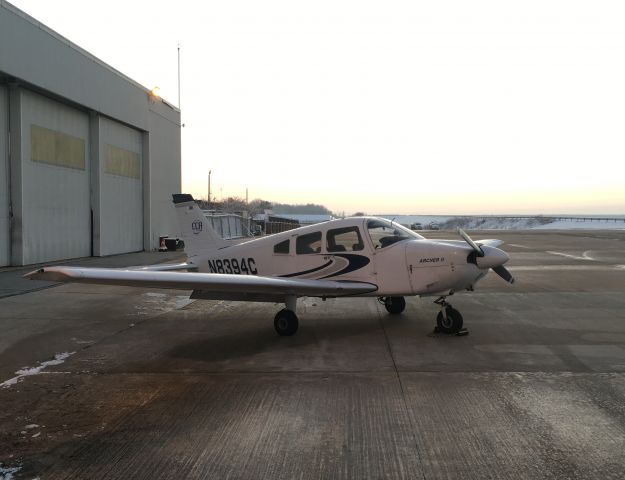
[(488, 257), (504, 273), (469, 240)]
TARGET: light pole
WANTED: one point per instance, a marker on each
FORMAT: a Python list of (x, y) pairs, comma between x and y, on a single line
[(178, 76), (209, 188)]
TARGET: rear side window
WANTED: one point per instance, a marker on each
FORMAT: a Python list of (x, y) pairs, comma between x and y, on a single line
[(309, 243), (282, 248), (346, 239)]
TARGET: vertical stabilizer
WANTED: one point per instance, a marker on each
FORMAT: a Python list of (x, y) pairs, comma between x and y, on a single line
[(197, 233)]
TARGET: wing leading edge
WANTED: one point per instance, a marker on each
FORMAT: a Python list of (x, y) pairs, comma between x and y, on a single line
[(166, 267), (231, 286)]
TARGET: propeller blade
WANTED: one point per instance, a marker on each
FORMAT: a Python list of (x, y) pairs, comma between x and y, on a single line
[(504, 273), (472, 244)]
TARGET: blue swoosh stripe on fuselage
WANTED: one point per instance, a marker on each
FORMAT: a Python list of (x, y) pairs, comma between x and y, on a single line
[(356, 262), (312, 270)]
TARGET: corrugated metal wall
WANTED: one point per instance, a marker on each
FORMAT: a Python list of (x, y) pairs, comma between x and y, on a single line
[(51, 217), (121, 201), (55, 177), (228, 226), (5, 237)]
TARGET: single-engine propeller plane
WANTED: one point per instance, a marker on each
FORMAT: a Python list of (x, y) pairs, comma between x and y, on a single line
[(351, 257)]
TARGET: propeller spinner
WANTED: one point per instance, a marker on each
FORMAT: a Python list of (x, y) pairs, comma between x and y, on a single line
[(489, 257)]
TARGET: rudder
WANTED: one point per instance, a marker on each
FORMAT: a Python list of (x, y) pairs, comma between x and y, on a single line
[(197, 233)]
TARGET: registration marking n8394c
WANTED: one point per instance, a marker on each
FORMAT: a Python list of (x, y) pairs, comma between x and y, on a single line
[(244, 266)]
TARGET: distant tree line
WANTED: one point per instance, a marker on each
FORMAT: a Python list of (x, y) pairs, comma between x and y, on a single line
[(308, 209), (237, 204)]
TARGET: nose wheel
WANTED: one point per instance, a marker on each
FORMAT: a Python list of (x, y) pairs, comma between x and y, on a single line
[(448, 319)]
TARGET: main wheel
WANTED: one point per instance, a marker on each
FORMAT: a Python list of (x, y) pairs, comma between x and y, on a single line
[(395, 305), (285, 322), (451, 324)]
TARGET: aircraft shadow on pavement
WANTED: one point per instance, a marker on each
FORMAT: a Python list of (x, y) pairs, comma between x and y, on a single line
[(254, 340)]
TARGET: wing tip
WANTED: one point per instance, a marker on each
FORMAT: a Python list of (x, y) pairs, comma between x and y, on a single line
[(34, 274)]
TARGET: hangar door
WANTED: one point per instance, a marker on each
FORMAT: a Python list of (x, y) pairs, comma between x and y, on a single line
[(5, 237), (55, 180), (121, 188)]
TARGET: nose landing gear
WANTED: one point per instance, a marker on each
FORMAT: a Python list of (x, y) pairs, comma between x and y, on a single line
[(449, 319)]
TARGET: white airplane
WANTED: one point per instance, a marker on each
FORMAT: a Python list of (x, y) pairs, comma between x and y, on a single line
[(351, 257)]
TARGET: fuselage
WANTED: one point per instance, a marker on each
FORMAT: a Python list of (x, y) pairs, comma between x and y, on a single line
[(363, 249)]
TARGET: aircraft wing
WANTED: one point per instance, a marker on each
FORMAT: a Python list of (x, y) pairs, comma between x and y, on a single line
[(491, 242), (218, 284), (166, 267)]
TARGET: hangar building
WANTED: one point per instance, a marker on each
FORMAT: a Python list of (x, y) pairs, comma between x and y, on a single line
[(88, 158)]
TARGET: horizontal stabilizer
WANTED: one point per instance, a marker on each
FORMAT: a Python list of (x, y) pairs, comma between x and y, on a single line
[(182, 197)]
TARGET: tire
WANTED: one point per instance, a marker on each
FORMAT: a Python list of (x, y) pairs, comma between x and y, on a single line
[(285, 322), (452, 324), (395, 305)]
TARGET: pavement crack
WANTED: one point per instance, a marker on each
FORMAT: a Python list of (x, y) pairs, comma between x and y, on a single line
[(403, 392)]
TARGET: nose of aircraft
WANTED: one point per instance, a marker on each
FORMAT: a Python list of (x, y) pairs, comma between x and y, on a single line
[(493, 257), (486, 256)]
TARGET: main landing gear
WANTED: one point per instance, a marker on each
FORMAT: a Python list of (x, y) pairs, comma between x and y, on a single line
[(448, 319), (285, 321), (393, 305)]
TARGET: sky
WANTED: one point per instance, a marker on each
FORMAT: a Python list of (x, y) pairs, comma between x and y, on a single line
[(406, 107)]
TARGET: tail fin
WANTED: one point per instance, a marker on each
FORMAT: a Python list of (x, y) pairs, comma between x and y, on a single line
[(197, 233)]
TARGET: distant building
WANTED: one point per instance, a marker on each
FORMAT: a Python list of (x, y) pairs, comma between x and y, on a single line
[(268, 223), (229, 226), (93, 158), (305, 219)]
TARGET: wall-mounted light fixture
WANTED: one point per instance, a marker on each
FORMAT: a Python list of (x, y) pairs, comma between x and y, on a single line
[(153, 95)]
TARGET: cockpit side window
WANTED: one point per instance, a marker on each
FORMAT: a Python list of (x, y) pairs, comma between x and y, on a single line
[(281, 248), (345, 239), (384, 233), (309, 243)]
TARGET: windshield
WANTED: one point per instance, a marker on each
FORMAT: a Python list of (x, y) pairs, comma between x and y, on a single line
[(384, 233)]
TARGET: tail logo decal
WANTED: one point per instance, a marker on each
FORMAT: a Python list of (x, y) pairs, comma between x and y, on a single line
[(196, 226)]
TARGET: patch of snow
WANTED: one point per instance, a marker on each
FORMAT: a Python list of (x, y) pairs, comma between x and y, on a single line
[(309, 302), (59, 358), (182, 301), (31, 426), (161, 302), (425, 221), (585, 255), (582, 225), (493, 223), (7, 473), (511, 222)]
